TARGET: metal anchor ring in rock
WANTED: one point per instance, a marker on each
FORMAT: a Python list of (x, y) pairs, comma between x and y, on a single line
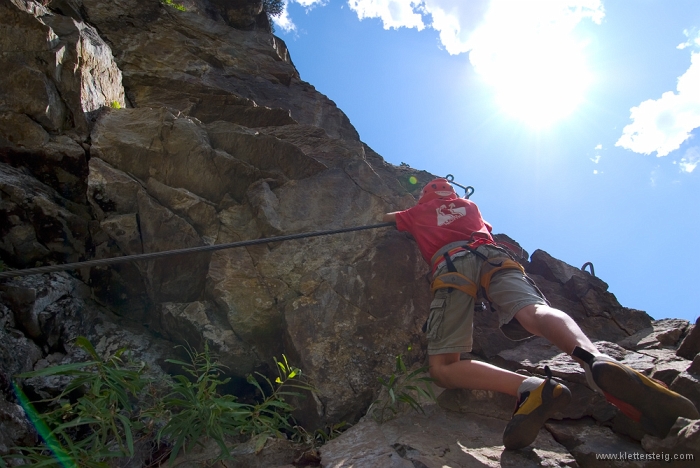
[(130, 127)]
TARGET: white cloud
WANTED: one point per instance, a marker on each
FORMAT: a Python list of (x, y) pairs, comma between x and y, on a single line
[(654, 176), (284, 21), (691, 159), (662, 125), (595, 160), (457, 21), (523, 48), (506, 23), (598, 147), (527, 51), (393, 13), (693, 39)]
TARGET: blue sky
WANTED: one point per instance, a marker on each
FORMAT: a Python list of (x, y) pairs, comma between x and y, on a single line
[(577, 121)]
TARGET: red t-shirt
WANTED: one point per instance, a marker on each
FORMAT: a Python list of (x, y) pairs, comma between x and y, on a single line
[(440, 222)]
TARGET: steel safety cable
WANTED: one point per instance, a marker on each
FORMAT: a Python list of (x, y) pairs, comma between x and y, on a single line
[(186, 251)]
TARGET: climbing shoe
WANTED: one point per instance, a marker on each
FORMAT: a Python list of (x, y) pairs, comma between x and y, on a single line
[(644, 400), (538, 399)]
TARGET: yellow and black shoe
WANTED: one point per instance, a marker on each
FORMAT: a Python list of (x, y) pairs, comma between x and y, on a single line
[(644, 400), (538, 400)]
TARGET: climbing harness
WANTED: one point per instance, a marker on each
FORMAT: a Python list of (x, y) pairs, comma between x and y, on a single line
[(186, 251), (455, 280), (490, 266)]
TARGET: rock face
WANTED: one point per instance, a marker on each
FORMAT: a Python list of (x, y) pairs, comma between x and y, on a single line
[(132, 127), (186, 132)]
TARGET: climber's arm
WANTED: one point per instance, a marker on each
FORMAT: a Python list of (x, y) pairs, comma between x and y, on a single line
[(390, 217)]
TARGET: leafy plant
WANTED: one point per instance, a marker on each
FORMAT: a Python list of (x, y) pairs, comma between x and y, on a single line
[(402, 388), (197, 409), (330, 432), (201, 411), (96, 417), (94, 427), (115, 105), (274, 413), (177, 6), (272, 8)]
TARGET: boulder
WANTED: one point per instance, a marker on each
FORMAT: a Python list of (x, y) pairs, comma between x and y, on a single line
[(195, 323), (688, 385), (18, 352), (64, 68), (111, 191), (481, 402), (15, 428), (155, 143), (594, 445), (436, 439), (218, 59), (666, 332), (37, 224), (690, 346), (198, 212), (172, 279), (586, 298), (56, 160), (680, 448)]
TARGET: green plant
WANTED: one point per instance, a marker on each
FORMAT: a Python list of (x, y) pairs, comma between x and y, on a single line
[(197, 409), (330, 432), (89, 429), (201, 411), (177, 6), (96, 417), (402, 388), (273, 415), (115, 105), (272, 8)]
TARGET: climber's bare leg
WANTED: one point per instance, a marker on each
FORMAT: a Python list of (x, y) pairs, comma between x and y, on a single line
[(556, 326), (449, 372)]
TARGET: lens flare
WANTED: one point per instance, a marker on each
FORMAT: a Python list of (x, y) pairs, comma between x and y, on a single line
[(43, 430)]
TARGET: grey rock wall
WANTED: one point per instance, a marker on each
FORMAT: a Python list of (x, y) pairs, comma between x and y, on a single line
[(131, 127)]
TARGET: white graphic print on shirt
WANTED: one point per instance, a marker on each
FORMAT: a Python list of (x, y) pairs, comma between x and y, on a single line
[(447, 215)]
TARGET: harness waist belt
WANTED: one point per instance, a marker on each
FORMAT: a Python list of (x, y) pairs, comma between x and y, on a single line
[(455, 280), (456, 246)]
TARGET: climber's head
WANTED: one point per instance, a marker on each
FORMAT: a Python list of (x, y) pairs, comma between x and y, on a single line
[(437, 188)]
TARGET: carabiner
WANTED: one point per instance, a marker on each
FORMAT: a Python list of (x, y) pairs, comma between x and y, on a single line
[(468, 190)]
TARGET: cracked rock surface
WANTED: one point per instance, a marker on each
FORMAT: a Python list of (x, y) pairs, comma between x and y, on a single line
[(130, 127)]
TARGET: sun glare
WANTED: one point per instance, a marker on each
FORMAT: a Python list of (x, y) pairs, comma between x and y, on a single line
[(537, 70), (542, 84)]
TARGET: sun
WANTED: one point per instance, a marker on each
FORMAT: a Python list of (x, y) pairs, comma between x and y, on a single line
[(542, 85), (539, 74)]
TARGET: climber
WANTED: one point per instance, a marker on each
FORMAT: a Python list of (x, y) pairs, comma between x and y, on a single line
[(466, 263)]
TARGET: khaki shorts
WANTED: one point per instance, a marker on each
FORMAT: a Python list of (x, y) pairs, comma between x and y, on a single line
[(450, 324)]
